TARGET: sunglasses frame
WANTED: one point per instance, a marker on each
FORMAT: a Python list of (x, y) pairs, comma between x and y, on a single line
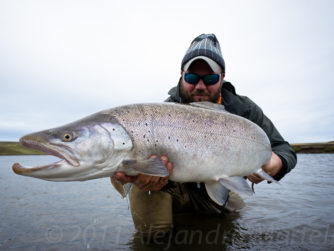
[(201, 77)]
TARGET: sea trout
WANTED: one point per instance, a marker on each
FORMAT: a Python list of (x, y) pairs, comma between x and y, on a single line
[(203, 143)]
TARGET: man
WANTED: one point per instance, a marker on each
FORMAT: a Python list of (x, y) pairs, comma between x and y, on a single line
[(154, 200)]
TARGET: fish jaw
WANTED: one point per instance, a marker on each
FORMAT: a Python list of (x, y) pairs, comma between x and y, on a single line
[(27, 171), (67, 159)]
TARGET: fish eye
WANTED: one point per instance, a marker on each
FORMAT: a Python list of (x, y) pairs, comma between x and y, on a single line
[(67, 137)]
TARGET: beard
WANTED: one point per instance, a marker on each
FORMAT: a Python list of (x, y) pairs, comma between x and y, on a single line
[(189, 97)]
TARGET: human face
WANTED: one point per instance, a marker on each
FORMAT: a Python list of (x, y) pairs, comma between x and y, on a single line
[(200, 91)]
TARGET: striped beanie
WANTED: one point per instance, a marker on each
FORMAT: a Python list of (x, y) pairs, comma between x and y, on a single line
[(206, 47)]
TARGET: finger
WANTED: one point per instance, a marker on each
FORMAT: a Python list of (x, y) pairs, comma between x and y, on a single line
[(169, 168), (255, 178), (154, 180), (157, 186), (164, 159), (168, 164), (251, 179), (142, 181), (154, 184), (163, 182), (123, 178)]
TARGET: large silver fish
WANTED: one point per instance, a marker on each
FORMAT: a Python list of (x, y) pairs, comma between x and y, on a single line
[(204, 144)]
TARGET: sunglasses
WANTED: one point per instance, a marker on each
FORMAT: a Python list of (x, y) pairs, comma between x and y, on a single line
[(192, 78)]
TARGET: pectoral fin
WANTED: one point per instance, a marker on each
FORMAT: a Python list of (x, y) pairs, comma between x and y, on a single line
[(217, 192), (237, 184), (153, 167)]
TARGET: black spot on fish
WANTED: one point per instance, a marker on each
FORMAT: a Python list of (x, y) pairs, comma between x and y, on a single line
[(144, 136), (113, 129), (146, 124)]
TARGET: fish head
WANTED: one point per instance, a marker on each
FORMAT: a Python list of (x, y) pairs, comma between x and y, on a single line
[(89, 148)]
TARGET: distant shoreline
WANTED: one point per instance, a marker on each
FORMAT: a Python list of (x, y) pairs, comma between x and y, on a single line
[(15, 148), (322, 147)]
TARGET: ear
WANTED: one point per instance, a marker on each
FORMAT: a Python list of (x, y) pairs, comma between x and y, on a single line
[(223, 76)]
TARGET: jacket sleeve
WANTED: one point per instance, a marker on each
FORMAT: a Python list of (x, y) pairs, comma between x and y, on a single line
[(279, 146)]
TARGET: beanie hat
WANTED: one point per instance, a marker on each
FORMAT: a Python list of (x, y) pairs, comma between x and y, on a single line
[(206, 47)]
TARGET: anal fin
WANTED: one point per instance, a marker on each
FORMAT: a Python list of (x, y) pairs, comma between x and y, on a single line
[(153, 167), (217, 192)]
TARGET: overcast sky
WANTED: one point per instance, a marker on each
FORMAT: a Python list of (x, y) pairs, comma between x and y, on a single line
[(63, 60)]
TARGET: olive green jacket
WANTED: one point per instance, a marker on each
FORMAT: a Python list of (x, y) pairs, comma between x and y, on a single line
[(243, 106)]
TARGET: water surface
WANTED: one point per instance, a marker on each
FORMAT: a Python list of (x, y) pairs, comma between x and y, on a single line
[(42, 215)]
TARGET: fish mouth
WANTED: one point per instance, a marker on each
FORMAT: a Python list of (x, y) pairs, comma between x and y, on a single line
[(24, 170), (65, 156)]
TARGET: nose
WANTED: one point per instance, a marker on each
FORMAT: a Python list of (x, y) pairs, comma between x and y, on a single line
[(200, 85)]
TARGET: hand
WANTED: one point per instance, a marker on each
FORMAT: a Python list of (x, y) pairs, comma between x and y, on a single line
[(147, 182), (272, 168)]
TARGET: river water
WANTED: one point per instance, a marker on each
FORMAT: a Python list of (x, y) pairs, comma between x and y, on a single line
[(42, 215)]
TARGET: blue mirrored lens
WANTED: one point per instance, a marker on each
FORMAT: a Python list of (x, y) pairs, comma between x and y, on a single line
[(191, 78), (210, 79)]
